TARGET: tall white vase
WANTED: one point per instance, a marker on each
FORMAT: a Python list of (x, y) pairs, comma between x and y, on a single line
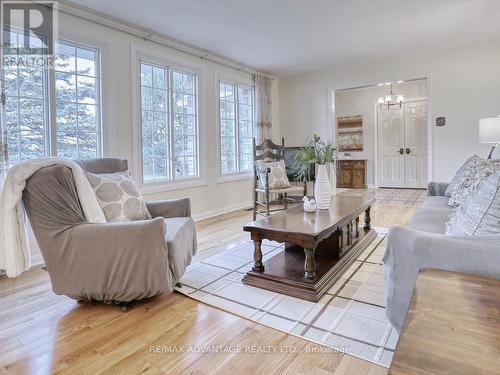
[(322, 189)]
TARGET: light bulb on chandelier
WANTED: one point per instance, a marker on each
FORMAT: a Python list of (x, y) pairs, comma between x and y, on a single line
[(391, 99)]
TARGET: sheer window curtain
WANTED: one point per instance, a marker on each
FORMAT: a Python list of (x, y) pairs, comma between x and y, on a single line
[(263, 107), (3, 130)]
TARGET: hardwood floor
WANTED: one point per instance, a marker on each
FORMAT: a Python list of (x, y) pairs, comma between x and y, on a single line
[(43, 333)]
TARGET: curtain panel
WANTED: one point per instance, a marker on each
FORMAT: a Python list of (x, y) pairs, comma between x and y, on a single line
[(263, 106)]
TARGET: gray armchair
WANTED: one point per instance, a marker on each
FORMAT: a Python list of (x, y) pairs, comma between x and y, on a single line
[(119, 261)]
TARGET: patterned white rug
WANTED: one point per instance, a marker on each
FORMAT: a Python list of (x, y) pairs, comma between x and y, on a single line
[(349, 318)]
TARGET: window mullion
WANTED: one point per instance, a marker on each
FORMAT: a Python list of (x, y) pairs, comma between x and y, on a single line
[(170, 92), (197, 128), (237, 125), (52, 128)]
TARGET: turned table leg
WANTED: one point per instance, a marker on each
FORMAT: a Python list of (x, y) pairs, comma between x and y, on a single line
[(310, 264), (257, 256), (367, 218)]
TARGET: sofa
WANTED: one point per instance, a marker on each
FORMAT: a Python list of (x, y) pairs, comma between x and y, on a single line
[(114, 261), (423, 244)]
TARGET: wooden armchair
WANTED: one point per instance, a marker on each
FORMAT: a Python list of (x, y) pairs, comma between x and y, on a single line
[(268, 151)]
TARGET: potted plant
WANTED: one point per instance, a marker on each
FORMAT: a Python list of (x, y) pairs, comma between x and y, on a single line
[(322, 154)]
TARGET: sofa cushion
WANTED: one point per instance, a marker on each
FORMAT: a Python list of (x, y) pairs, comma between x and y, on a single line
[(459, 176), (475, 171), (432, 215), (480, 213), (436, 203), (118, 196), (181, 243)]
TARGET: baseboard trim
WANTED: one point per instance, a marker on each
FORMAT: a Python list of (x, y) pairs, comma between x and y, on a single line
[(221, 211)]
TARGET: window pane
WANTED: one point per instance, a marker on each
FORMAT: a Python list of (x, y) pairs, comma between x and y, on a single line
[(31, 83), (31, 116), (86, 90), (87, 118), (161, 169), (32, 145), (86, 62), (26, 109), (77, 102), (65, 57), (67, 145), (185, 124), (66, 114), (158, 77), (146, 98), (87, 145), (147, 146), (245, 162), (159, 103), (11, 80), (236, 127), (146, 75), (65, 87), (155, 124)]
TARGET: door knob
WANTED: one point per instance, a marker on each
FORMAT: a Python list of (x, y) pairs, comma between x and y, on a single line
[(401, 151), (408, 151)]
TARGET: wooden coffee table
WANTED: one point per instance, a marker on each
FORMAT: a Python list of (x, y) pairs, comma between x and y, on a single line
[(319, 247)]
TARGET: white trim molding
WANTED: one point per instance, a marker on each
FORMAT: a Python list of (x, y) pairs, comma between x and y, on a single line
[(137, 54), (147, 34), (221, 211)]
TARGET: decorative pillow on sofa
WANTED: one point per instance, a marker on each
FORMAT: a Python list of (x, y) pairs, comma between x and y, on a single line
[(277, 177), (475, 170), (118, 196), (480, 213), (460, 176)]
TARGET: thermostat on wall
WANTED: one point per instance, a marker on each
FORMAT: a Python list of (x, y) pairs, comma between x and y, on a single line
[(440, 121)]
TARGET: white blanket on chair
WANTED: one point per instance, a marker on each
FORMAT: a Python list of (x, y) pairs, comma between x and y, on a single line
[(15, 256)]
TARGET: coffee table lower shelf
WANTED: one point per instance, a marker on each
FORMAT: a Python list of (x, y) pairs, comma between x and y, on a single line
[(284, 272)]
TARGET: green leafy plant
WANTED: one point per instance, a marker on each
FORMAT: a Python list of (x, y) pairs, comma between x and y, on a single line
[(315, 151)]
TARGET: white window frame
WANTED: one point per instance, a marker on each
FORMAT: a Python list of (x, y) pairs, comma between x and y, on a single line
[(98, 99), (47, 113), (236, 80), (50, 100), (140, 54)]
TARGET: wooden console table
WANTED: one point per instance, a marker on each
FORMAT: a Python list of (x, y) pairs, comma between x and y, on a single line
[(452, 327), (351, 173)]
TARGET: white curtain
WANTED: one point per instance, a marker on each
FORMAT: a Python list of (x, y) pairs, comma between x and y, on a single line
[(3, 130), (263, 106)]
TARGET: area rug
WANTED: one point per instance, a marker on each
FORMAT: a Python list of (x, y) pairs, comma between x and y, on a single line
[(349, 318)]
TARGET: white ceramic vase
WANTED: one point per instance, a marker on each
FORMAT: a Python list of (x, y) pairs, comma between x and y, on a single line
[(322, 189)]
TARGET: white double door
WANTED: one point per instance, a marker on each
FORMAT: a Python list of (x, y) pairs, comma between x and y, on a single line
[(402, 145)]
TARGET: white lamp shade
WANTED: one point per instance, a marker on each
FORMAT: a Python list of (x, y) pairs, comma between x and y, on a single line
[(489, 130)]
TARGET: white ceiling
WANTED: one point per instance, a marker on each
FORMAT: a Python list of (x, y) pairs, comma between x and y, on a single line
[(297, 36)]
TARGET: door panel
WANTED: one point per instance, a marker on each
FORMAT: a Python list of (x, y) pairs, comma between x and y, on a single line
[(406, 129), (424, 175), (390, 141), (416, 144)]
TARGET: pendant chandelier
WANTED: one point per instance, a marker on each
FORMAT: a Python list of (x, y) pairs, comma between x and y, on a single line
[(390, 100)]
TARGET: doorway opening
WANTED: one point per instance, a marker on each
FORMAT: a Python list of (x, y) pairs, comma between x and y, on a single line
[(391, 140)]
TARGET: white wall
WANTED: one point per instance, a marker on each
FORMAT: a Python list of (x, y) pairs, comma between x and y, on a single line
[(360, 102), (120, 113), (464, 87)]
